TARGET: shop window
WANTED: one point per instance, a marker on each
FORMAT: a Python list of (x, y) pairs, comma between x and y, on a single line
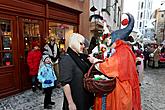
[(6, 52), (31, 33), (61, 32)]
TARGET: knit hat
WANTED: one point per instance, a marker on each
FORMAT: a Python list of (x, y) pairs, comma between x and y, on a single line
[(44, 57), (35, 43)]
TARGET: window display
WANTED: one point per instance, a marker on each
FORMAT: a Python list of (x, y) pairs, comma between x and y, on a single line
[(61, 32), (5, 43), (31, 33)]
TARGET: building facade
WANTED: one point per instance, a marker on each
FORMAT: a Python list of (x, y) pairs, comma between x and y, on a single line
[(160, 23), (158, 17), (110, 10), (24, 21), (143, 15)]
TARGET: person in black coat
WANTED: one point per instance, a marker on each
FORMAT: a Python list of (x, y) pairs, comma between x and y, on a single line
[(73, 66), (146, 57)]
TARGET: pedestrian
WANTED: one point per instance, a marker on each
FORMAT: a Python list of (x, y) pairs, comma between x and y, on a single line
[(33, 61), (146, 57), (73, 66), (139, 64), (52, 50), (122, 65), (156, 56), (47, 77)]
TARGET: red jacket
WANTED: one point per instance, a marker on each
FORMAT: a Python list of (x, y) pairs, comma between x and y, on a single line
[(33, 60)]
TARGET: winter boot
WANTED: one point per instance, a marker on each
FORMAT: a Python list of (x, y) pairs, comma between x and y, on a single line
[(33, 88)]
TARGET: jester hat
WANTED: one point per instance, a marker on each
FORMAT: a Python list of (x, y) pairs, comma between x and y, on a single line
[(123, 33)]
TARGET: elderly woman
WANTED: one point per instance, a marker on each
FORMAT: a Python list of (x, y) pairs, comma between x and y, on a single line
[(122, 65), (73, 66)]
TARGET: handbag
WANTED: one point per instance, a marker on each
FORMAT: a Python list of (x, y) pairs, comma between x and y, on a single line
[(101, 86)]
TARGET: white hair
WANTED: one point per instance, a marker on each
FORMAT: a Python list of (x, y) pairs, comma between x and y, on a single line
[(75, 40)]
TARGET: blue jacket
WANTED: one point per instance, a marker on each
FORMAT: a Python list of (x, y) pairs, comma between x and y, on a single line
[(46, 72)]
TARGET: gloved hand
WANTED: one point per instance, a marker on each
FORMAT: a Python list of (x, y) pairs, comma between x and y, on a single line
[(47, 82)]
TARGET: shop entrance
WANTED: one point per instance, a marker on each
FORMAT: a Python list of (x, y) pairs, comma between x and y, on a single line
[(30, 30)]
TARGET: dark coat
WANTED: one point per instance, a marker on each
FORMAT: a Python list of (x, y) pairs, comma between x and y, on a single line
[(71, 74)]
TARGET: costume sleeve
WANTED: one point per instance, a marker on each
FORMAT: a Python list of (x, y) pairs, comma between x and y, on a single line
[(110, 66), (65, 70)]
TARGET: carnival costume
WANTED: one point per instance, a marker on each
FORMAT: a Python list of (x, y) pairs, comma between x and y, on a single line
[(122, 65)]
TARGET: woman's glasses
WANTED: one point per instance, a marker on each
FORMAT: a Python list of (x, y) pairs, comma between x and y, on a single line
[(52, 40), (82, 43)]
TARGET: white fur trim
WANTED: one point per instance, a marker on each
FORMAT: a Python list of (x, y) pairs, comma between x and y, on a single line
[(49, 51)]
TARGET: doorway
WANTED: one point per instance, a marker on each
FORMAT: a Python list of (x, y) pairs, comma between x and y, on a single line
[(30, 30)]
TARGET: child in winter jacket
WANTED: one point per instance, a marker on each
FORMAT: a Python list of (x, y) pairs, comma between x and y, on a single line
[(33, 61), (47, 77)]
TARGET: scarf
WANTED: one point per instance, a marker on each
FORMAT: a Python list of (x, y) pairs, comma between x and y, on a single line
[(80, 59)]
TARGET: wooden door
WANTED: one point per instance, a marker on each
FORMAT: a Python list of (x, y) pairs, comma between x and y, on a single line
[(30, 30), (9, 74)]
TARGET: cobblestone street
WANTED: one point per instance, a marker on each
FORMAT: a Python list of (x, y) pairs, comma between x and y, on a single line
[(152, 91), (29, 100)]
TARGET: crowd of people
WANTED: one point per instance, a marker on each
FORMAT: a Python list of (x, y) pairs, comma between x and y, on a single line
[(118, 60), (147, 56), (150, 54)]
